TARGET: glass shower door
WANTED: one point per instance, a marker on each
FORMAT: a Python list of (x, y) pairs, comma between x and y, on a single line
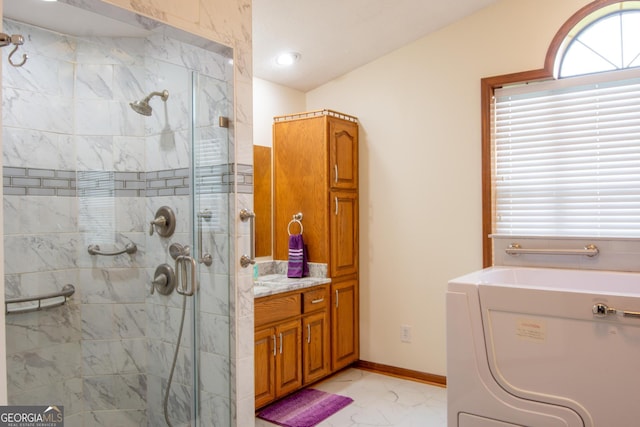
[(212, 191)]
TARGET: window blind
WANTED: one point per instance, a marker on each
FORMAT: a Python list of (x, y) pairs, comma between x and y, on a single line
[(567, 157)]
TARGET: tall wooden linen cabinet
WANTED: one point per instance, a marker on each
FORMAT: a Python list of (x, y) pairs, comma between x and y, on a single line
[(315, 164)]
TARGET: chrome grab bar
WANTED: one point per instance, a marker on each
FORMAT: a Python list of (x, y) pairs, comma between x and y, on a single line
[(203, 258), (245, 260), (129, 248), (66, 292), (183, 276), (588, 250), (602, 310)]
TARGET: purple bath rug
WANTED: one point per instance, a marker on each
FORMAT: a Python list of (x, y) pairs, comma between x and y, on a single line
[(305, 408)]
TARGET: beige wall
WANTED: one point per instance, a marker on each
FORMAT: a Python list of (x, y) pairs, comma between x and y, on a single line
[(420, 197), (271, 100)]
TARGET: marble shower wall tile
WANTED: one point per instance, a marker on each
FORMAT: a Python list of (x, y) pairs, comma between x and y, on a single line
[(40, 253), (20, 107), (30, 332), (122, 418), (37, 149), (115, 392), (36, 283), (214, 410), (24, 214), (51, 57), (216, 377), (113, 321), (214, 294), (163, 324), (114, 285), (179, 402), (30, 370), (214, 334), (67, 392), (108, 357), (175, 113), (160, 357)]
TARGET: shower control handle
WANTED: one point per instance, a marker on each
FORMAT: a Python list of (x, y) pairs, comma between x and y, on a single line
[(159, 221), (164, 222), (163, 280)]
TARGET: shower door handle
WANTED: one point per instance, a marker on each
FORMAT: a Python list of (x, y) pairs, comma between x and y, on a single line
[(185, 275)]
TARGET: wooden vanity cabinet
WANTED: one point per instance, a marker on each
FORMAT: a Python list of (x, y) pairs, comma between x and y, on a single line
[(277, 347), (343, 153), (315, 169), (316, 353), (315, 157), (345, 325), (292, 342), (344, 234), (264, 361)]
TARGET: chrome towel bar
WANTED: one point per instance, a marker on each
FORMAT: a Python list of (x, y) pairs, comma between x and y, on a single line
[(129, 248), (588, 250), (66, 292)]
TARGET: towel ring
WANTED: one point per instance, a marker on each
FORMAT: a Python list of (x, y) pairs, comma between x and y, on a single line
[(295, 221)]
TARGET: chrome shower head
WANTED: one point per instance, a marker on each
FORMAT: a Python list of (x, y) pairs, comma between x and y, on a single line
[(143, 107)]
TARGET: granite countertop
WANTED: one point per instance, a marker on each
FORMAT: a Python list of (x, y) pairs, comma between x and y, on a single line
[(272, 278), (271, 284)]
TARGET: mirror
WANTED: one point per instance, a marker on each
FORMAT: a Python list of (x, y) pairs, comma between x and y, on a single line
[(269, 101), (262, 203)]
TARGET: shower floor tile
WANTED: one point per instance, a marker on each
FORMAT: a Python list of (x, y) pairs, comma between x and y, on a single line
[(381, 400)]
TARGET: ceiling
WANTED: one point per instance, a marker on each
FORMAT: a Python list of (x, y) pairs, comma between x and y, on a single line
[(334, 37)]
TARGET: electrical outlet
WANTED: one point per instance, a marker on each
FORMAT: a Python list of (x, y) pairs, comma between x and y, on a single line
[(405, 333)]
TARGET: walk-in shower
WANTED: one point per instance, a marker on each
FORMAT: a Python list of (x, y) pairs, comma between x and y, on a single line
[(143, 107), (81, 170)]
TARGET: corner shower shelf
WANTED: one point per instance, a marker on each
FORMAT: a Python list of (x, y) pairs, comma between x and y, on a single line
[(66, 292)]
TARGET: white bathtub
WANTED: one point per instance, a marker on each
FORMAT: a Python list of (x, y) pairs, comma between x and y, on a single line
[(524, 348)]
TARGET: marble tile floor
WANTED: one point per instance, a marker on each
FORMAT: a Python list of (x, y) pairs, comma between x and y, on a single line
[(382, 401)]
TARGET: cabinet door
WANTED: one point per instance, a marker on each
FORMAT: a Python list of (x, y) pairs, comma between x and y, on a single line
[(345, 345), (289, 357), (315, 347), (264, 366), (344, 233), (343, 154)]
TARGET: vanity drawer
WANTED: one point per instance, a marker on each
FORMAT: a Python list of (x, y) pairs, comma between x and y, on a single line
[(316, 299), (276, 309)]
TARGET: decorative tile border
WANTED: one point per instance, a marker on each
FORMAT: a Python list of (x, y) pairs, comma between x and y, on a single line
[(38, 182), (171, 182)]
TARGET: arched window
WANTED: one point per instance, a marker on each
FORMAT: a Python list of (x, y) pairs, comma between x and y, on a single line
[(561, 153), (606, 40)]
